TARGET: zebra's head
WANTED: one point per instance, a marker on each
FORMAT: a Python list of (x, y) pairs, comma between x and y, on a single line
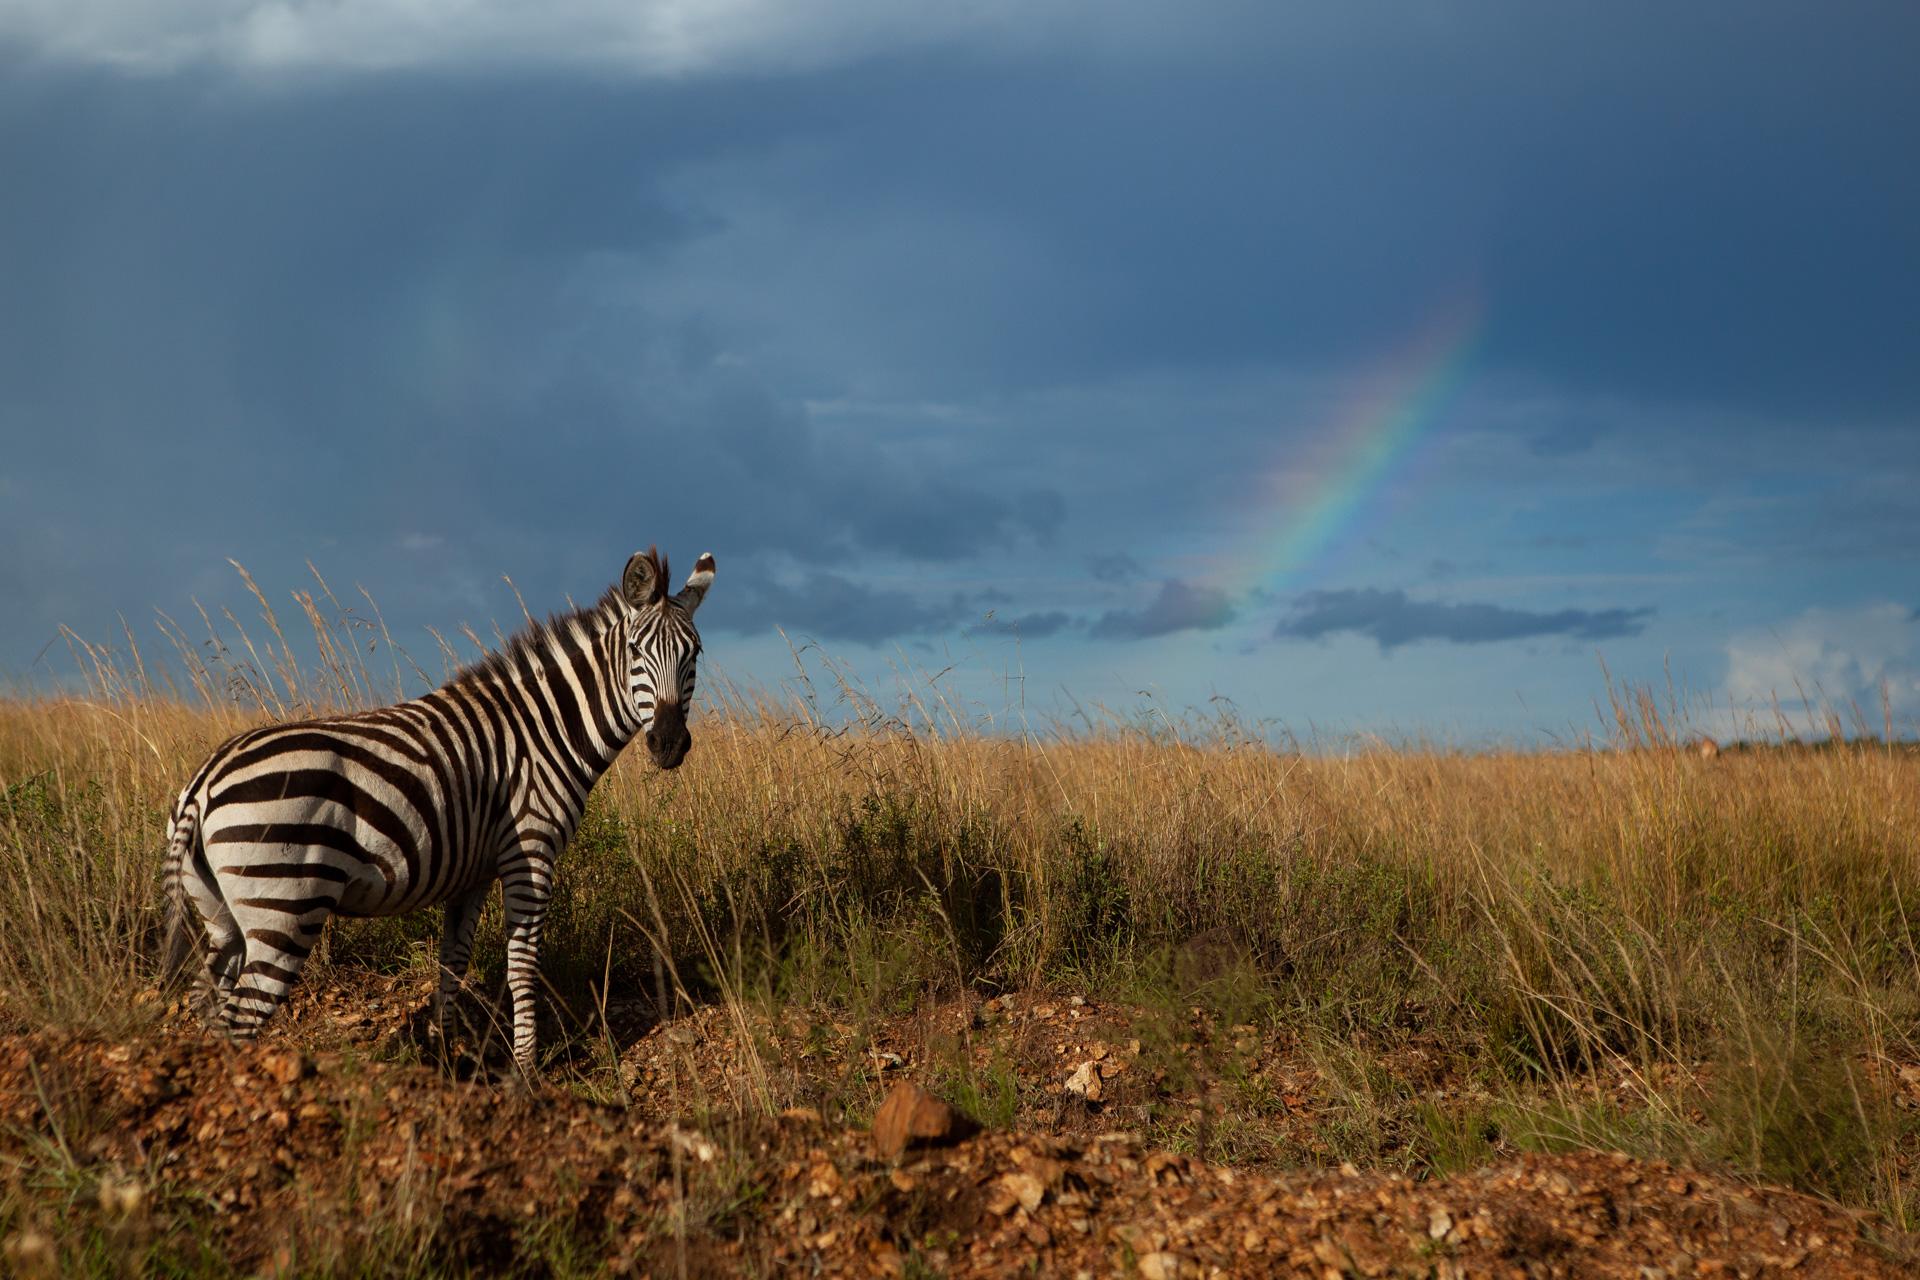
[(662, 650)]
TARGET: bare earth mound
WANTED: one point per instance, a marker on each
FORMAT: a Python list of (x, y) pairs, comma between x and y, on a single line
[(280, 1162)]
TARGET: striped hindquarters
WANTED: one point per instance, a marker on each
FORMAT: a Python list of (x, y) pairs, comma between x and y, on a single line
[(367, 815)]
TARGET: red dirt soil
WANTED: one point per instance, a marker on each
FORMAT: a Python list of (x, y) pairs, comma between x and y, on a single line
[(277, 1160)]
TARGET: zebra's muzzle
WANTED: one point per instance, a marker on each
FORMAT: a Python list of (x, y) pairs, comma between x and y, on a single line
[(668, 740)]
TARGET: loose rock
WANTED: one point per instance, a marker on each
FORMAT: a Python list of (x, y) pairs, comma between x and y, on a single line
[(912, 1116)]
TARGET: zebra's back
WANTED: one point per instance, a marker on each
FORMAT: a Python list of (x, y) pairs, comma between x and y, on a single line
[(388, 809)]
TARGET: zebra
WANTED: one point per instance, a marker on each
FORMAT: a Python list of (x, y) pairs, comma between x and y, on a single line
[(383, 812)]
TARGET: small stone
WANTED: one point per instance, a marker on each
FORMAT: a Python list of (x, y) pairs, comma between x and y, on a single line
[(1439, 1222), (910, 1115), (1025, 1188), (1159, 1266), (287, 1068), (1085, 1081)]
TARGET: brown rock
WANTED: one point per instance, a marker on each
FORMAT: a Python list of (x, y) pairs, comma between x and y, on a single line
[(1025, 1188), (1085, 1082), (912, 1116), (287, 1068), (1160, 1266)]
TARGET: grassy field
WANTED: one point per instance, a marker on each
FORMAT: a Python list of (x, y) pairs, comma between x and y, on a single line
[(1624, 946)]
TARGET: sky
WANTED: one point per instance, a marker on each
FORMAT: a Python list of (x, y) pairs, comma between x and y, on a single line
[(1409, 366)]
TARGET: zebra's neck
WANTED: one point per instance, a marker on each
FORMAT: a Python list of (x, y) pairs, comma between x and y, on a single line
[(565, 681)]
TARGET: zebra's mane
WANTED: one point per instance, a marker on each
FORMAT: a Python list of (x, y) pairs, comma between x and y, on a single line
[(529, 646)]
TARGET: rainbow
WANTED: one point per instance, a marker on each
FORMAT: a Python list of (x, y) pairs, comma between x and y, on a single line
[(1318, 504)]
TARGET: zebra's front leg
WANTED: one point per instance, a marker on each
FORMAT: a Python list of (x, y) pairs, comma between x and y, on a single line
[(525, 897), (456, 950)]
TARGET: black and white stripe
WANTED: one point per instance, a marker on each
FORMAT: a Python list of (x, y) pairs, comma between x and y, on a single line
[(428, 801)]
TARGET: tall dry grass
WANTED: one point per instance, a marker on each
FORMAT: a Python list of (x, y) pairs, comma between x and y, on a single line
[(1623, 907)]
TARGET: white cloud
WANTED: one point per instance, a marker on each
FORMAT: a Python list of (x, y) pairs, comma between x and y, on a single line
[(645, 37), (1830, 660)]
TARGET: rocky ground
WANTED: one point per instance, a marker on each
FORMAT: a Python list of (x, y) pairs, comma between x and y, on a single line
[(308, 1153)]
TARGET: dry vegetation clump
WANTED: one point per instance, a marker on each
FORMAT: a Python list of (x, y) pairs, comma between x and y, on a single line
[(1625, 946)]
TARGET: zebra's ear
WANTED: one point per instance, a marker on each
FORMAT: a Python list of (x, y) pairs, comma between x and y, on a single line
[(645, 580), (697, 583)]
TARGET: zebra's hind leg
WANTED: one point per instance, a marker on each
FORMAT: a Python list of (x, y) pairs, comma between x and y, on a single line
[(219, 969), (456, 949), (279, 936), (224, 948)]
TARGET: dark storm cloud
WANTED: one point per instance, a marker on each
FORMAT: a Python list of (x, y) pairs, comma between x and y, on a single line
[(544, 318), (1180, 606), (930, 518), (1116, 568), (1392, 619), (1038, 626), (827, 606), (1664, 216), (320, 326), (830, 606)]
